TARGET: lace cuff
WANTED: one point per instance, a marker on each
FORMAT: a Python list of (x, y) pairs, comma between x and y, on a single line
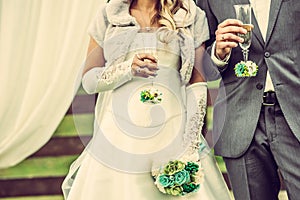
[(196, 109), (100, 79)]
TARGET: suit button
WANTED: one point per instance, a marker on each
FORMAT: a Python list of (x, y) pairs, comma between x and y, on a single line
[(259, 86), (267, 54)]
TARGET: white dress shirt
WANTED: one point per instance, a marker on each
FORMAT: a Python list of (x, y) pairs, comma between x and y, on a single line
[(261, 9)]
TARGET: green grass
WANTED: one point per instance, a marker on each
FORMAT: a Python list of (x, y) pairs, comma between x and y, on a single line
[(213, 84), (74, 125), (81, 91), (209, 115), (39, 167), (221, 163)]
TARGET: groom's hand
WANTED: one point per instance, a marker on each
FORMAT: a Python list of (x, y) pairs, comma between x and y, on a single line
[(226, 37)]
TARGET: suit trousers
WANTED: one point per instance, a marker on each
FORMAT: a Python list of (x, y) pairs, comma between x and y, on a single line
[(274, 150)]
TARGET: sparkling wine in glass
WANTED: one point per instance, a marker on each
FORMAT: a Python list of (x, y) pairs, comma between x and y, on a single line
[(243, 13), (149, 43)]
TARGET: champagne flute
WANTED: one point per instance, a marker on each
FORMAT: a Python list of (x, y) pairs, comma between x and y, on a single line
[(149, 41), (243, 13)]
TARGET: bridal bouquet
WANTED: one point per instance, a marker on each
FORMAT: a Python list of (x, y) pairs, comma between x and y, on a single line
[(179, 178)]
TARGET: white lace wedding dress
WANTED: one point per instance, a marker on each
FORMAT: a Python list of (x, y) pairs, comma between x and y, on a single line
[(131, 136)]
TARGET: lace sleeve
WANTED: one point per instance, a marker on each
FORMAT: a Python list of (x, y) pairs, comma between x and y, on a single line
[(100, 79), (196, 111)]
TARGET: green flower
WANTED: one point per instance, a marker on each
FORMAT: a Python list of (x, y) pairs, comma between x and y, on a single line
[(174, 166), (240, 69), (175, 191), (181, 177), (145, 95), (192, 167), (150, 96), (166, 181), (191, 187)]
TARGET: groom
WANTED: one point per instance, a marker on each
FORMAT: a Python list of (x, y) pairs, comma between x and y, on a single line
[(256, 119)]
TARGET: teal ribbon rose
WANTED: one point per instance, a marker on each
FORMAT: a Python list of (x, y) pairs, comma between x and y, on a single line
[(181, 177), (166, 181)]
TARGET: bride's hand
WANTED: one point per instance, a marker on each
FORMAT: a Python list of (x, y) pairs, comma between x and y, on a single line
[(144, 65)]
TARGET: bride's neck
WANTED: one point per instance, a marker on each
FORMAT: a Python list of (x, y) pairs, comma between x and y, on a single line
[(146, 6), (144, 11)]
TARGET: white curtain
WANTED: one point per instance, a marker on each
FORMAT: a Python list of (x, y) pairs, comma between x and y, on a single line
[(42, 48)]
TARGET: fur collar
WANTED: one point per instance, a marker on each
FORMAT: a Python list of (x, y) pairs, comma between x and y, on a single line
[(118, 14)]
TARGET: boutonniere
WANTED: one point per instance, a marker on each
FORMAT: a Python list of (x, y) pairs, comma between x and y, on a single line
[(246, 69)]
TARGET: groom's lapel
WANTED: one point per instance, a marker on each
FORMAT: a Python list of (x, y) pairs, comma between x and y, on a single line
[(274, 10)]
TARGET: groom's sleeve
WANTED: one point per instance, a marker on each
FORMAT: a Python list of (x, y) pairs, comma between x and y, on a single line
[(214, 62)]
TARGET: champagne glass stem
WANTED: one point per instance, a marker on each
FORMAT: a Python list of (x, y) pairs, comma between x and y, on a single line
[(245, 54)]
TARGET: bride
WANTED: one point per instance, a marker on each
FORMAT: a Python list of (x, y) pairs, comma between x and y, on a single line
[(144, 59)]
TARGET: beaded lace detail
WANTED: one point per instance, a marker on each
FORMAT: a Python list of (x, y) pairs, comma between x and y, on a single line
[(114, 76), (192, 138), (114, 73)]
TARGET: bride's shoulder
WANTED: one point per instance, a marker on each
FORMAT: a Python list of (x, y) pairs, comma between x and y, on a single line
[(188, 14)]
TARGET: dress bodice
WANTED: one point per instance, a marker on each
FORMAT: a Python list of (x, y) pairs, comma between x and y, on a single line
[(165, 46)]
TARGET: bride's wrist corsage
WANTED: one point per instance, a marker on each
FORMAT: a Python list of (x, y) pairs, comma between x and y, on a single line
[(246, 69), (179, 178)]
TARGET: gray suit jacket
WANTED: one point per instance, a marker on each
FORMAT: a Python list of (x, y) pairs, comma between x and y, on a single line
[(239, 101)]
